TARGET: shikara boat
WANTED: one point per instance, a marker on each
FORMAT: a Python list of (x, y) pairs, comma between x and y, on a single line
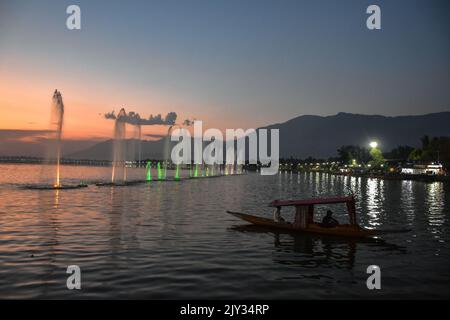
[(304, 218)]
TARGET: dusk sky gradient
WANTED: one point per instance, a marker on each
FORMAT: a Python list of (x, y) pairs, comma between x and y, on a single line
[(232, 64)]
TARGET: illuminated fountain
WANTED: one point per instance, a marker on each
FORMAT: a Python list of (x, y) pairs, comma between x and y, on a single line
[(149, 171), (160, 174), (119, 171), (177, 172), (196, 171), (56, 124)]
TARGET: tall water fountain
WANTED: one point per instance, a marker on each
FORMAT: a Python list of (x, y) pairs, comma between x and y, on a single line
[(57, 118), (54, 152), (119, 174)]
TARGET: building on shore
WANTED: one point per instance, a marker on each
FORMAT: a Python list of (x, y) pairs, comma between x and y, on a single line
[(424, 169)]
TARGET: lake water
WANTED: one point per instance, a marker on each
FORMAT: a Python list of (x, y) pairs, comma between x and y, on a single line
[(174, 240)]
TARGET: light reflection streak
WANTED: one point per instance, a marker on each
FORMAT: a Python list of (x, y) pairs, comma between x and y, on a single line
[(407, 201), (373, 202), (435, 202)]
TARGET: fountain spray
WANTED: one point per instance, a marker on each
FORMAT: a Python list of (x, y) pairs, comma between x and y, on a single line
[(149, 171), (196, 171), (57, 121), (119, 147), (159, 171), (177, 172)]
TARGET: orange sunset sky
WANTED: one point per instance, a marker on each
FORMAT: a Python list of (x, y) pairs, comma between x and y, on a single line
[(231, 64)]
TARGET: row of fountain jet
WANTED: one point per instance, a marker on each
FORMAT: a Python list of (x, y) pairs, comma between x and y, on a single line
[(119, 167), (119, 163), (194, 171)]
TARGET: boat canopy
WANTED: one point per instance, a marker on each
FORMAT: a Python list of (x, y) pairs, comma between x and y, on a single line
[(314, 201), (305, 207)]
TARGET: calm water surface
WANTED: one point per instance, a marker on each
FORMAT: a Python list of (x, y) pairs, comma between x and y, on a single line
[(174, 239)]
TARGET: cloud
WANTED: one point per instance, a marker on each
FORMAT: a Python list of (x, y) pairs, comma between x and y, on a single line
[(135, 119), (154, 135), (188, 122), (18, 134)]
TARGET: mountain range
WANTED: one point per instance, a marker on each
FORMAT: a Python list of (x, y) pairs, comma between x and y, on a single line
[(300, 137), (319, 136)]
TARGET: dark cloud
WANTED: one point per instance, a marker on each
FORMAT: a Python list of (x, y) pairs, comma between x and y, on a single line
[(188, 122), (34, 143), (152, 135), (13, 134), (135, 119)]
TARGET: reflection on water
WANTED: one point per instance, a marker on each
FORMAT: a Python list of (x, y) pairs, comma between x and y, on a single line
[(374, 201), (407, 200), (56, 198), (435, 201), (174, 239)]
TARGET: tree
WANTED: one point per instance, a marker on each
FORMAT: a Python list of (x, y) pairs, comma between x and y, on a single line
[(377, 157), (400, 153), (348, 153), (436, 149), (415, 155)]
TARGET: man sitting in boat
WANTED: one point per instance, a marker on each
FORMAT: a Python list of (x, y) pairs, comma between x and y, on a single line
[(277, 215), (328, 221)]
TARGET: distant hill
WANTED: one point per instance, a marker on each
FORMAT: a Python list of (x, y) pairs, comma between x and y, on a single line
[(321, 136), (318, 136)]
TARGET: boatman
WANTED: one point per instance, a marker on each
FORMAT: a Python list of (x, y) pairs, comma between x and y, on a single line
[(328, 221), (277, 215)]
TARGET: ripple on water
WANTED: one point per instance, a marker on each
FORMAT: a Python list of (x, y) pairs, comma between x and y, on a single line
[(174, 240)]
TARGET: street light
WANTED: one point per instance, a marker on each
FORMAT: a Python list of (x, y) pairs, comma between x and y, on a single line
[(373, 144)]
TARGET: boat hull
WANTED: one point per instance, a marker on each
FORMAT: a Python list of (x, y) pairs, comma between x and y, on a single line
[(341, 230)]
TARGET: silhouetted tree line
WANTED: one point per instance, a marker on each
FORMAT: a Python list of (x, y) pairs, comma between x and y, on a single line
[(436, 149), (433, 149)]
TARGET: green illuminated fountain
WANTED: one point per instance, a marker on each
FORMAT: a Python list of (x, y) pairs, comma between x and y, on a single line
[(196, 171), (149, 171), (159, 171), (177, 172)]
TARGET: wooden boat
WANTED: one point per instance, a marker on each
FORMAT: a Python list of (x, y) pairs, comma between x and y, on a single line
[(304, 214), (341, 230)]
